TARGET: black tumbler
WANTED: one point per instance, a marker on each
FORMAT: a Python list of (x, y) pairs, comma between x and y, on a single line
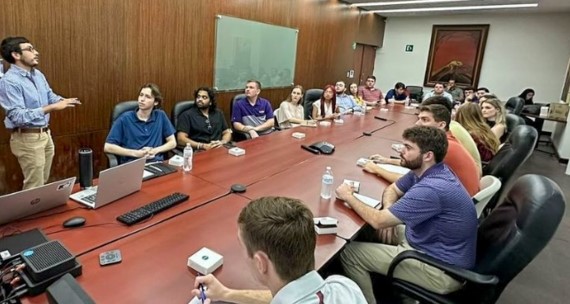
[(85, 168)]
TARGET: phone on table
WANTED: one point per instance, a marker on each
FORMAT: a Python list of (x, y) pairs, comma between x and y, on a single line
[(229, 145)]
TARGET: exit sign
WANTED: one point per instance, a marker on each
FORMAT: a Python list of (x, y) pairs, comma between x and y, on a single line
[(409, 48)]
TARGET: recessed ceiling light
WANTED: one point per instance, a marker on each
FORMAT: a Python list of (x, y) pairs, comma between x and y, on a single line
[(455, 8)]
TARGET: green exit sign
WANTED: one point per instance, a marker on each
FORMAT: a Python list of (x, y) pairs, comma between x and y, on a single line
[(409, 48)]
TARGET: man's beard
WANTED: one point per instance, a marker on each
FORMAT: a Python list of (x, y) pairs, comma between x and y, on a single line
[(413, 164)]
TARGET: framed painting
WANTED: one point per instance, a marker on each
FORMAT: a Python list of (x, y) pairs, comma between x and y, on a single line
[(456, 52)]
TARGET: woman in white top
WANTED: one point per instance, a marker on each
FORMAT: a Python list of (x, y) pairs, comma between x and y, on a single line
[(291, 112), (325, 108)]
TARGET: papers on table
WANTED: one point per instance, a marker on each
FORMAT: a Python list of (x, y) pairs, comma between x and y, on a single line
[(367, 200), (394, 169)]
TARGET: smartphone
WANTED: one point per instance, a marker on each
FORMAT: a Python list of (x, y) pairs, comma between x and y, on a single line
[(229, 145)]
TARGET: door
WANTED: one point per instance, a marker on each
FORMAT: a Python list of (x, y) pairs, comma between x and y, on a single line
[(364, 57)]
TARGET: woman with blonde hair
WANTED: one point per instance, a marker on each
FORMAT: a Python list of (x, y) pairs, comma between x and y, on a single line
[(291, 112), (494, 114), (470, 117)]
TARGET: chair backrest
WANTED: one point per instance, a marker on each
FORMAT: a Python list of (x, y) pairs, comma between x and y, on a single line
[(489, 185), (311, 95), (510, 157), (519, 228), (415, 92), (276, 121), (513, 121), (178, 109), (236, 135), (238, 96), (122, 107), (514, 105)]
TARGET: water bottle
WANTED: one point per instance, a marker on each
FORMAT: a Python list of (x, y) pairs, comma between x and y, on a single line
[(187, 165), (327, 186)]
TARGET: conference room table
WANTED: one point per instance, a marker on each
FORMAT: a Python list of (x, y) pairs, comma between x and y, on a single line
[(154, 266), (155, 251)]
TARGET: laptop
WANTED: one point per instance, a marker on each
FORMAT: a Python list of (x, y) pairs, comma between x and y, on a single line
[(31, 201), (114, 183)]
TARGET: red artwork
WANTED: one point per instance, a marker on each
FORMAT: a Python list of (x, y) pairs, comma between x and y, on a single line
[(456, 52)]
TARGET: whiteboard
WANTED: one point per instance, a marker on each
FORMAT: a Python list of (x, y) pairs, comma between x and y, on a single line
[(253, 50)]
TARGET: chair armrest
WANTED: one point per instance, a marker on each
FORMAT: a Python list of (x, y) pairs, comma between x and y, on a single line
[(113, 161), (453, 271)]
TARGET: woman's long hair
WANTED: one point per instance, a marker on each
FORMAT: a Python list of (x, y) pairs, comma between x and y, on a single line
[(333, 99), (470, 117)]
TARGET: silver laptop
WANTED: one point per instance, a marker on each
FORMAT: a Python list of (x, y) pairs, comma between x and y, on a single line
[(27, 202), (114, 183)]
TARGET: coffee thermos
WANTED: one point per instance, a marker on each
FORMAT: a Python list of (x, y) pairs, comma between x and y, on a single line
[(85, 168)]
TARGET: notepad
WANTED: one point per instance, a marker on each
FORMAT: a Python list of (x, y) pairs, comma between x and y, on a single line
[(394, 169)]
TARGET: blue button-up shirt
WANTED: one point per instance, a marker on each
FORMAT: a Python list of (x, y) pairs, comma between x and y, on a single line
[(23, 94), (345, 103)]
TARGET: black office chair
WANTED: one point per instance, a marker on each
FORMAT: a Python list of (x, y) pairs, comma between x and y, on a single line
[(311, 95), (237, 135), (416, 92), (514, 105), (513, 121), (507, 241), (119, 109), (510, 157), (178, 109)]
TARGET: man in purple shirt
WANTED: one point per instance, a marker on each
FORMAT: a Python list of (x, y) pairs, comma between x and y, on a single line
[(253, 115), (437, 214), (27, 100)]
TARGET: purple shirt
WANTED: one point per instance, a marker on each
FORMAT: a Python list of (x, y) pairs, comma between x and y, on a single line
[(439, 215), (256, 115)]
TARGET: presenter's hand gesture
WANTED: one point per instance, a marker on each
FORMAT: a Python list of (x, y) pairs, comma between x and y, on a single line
[(67, 103)]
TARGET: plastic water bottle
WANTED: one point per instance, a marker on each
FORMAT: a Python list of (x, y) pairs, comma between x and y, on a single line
[(327, 185), (187, 165)]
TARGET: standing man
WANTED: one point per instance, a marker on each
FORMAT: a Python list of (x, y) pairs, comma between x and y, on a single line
[(371, 95), (27, 100), (438, 90), (456, 93), (253, 115), (203, 125), (437, 214), (343, 101), (278, 239)]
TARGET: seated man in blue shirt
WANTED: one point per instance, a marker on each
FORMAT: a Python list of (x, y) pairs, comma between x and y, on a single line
[(253, 115), (343, 101), (278, 240), (145, 132), (438, 213), (398, 94), (439, 90)]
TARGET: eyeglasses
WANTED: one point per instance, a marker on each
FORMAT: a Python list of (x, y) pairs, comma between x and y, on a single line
[(208, 125), (30, 49)]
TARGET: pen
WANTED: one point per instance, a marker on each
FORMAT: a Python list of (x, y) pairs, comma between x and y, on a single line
[(394, 157), (381, 118), (202, 293)]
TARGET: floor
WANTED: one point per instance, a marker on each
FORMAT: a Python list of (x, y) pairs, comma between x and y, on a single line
[(547, 278)]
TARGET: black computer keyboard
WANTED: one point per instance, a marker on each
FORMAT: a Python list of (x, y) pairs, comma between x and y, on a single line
[(158, 169), (134, 216)]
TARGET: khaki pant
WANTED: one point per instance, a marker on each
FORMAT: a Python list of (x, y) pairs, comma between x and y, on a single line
[(360, 258), (34, 152)]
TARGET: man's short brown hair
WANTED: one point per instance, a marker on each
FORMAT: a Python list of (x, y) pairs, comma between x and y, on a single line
[(283, 228)]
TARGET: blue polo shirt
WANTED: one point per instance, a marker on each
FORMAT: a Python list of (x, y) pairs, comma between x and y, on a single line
[(130, 132), (393, 95), (439, 215), (243, 112)]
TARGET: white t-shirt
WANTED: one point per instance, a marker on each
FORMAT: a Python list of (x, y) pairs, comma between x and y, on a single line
[(328, 108)]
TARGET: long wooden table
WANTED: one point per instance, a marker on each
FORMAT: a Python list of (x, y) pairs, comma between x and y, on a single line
[(155, 252)]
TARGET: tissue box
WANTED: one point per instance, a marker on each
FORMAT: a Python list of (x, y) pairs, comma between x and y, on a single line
[(325, 123), (325, 225), (355, 185), (176, 160), (298, 135), (205, 261), (235, 151), (339, 121)]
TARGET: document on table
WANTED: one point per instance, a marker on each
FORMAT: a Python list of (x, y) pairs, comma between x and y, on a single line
[(394, 169), (372, 202)]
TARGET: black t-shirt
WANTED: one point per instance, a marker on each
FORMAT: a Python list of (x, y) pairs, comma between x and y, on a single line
[(201, 128)]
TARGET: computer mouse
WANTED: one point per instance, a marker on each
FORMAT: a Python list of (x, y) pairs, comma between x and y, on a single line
[(238, 188), (76, 221)]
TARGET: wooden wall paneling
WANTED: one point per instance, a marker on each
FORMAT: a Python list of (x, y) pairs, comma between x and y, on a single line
[(371, 29), (101, 51)]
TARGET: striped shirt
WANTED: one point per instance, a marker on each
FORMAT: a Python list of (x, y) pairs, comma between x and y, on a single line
[(439, 215), (23, 94)]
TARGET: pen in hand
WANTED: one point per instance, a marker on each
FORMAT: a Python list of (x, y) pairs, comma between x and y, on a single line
[(202, 293)]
